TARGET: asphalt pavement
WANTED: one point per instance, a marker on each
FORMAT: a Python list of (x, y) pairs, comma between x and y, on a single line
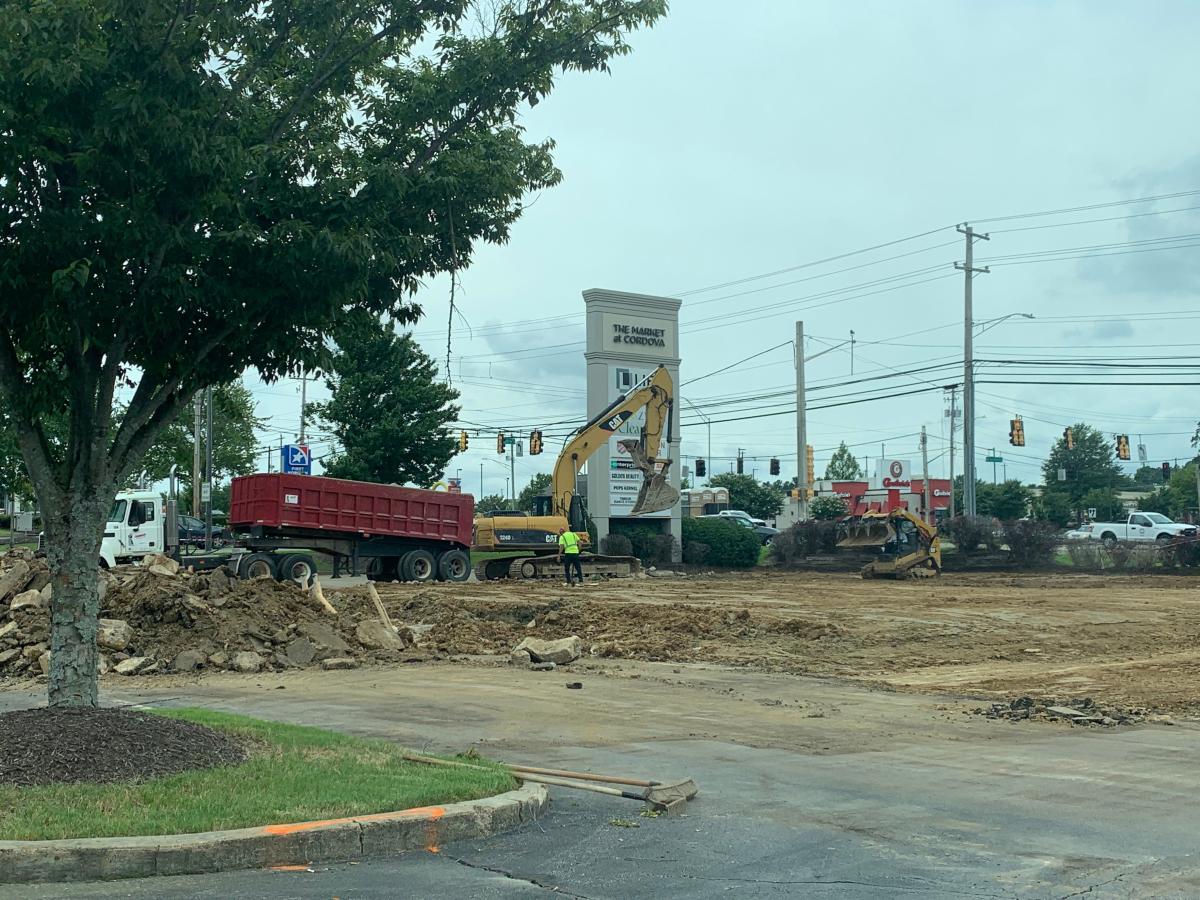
[(1027, 812)]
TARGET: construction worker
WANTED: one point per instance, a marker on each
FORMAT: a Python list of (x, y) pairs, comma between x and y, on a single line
[(568, 554)]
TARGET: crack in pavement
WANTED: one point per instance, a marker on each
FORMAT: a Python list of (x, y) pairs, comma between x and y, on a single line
[(510, 875)]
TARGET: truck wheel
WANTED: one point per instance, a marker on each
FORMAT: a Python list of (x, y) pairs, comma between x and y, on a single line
[(1163, 539), (259, 565), (454, 565), (1109, 540), (418, 565), (298, 567)]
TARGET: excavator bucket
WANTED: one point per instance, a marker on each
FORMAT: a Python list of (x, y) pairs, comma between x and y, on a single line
[(867, 533), (655, 493)]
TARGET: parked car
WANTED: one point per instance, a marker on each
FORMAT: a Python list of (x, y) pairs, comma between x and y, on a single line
[(1079, 533), (1142, 526), (191, 532), (765, 532)]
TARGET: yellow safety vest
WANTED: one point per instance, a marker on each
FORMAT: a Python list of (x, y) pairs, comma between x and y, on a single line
[(568, 542)]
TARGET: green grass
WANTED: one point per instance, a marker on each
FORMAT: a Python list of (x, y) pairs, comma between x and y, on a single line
[(294, 774), (763, 554)]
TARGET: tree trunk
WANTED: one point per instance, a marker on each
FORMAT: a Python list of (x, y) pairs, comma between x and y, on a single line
[(73, 536)]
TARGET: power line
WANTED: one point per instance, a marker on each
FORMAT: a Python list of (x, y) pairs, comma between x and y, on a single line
[(1090, 206)]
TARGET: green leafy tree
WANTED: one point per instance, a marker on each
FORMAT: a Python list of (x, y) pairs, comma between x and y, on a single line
[(1177, 498), (192, 189), (1090, 465), (1007, 501), (539, 485), (234, 441), (489, 504), (750, 495), (1148, 476), (387, 409), (842, 465), (1104, 501), (827, 506)]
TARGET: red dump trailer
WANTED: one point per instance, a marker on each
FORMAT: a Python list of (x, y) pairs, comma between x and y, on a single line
[(390, 532)]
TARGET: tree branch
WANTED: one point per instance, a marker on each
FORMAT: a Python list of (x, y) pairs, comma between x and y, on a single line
[(31, 437)]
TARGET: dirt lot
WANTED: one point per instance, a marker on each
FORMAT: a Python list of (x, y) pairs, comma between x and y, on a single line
[(1132, 641)]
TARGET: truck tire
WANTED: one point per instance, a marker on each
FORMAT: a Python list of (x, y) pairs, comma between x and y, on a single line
[(297, 567), (1108, 539), (454, 565), (418, 565), (1163, 539), (257, 565)]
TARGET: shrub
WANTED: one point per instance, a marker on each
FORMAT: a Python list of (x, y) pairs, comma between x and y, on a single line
[(695, 553), (802, 540), (729, 544), (616, 545), (645, 543), (1086, 554), (970, 534), (828, 506), (1182, 551), (1030, 543)]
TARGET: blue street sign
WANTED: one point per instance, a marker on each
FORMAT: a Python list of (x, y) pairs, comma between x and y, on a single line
[(296, 459)]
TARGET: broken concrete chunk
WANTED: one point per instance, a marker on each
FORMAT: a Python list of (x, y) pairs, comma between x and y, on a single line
[(375, 635), (161, 565), (220, 659), (133, 665), (561, 652), (339, 662), (25, 600), (325, 637), (520, 658), (9, 655), (542, 667), (14, 579), (300, 652), (113, 634), (1066, 712), (188, 661), (44, 663), (46, 593), (8, 628), (246, 661)]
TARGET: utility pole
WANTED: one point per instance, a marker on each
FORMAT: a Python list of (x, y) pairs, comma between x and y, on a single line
[(1198, 491), (303, 402), (208, 471), (953, 416), (801, 427), (969, 270), (481, 493), (851, 351), (993, 465), (196, 401), (928, 517), (512, 469)]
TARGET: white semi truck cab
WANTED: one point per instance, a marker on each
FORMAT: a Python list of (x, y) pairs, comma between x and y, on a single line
[(135, 527)]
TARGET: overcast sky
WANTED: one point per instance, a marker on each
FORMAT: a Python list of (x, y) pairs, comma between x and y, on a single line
[(744, 139)]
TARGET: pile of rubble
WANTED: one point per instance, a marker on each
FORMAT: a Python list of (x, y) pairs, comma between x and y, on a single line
[(1083, 711), (158, 618)]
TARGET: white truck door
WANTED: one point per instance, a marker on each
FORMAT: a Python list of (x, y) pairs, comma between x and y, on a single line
[(1139, 528), (144, 530)]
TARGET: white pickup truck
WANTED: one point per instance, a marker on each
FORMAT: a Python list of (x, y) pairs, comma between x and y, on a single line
[(1142, 526)]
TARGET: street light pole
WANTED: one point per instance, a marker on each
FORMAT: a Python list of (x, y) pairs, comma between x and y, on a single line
[(968, 269)]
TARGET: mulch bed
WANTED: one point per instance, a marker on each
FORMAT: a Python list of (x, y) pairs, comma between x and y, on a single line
[(73, 745)]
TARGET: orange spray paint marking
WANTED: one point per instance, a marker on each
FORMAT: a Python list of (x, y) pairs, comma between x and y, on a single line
[(433, 812)]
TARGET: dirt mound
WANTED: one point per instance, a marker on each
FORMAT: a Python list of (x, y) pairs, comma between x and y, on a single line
[(62, 745), (158, 618), (633, 630)]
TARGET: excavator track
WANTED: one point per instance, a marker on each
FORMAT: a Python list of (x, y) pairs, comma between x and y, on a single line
[(548, 566)]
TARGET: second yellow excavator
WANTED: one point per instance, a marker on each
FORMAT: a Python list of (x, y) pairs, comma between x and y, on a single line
[(537, 534)]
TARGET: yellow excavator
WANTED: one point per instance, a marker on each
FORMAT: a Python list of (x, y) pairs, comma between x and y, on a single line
[(907, 545), (537, 534)]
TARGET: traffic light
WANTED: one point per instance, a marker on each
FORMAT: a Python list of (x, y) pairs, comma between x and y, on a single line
[(1016, 432), (463, 443), (1069, 438), (739, 464), (700, 470), (535, 443), (774, 466), (500, 443), (1166, 467), (1122, 446), (811, 468)]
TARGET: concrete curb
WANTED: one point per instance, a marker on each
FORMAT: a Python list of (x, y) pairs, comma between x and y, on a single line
[(354, 837)]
